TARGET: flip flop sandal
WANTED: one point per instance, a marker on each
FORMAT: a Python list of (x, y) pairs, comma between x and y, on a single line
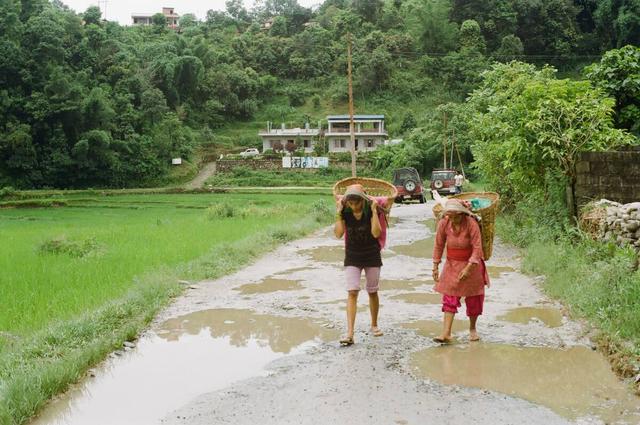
[(346, 341)]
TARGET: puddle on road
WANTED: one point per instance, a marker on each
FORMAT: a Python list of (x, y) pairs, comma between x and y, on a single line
[(326, 254), (496, 271), (270, 285), (419, 298), (574, 383), (431, 328), (549, 316), (422, 248), (407, 285), (188, 356)]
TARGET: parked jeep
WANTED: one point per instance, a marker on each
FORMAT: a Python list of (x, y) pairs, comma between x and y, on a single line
[(409, 185), (443, 180)]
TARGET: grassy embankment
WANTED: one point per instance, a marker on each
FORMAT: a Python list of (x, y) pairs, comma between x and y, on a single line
[(80, 280), (595, 280)]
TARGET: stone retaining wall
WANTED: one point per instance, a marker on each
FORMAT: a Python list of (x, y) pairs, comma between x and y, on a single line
[(610, 175), (226, 165)]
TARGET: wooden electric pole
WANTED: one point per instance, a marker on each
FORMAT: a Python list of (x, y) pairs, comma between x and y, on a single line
[(444, 144), (351, 123)]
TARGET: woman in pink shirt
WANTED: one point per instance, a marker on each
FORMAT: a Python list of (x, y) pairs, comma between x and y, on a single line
[(464, 273)]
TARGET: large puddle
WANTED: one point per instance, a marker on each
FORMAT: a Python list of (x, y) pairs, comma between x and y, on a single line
[(422, 248), (188, 356), (431, 328), (576, 382), (270, 285), (549, 316), (419, 298)]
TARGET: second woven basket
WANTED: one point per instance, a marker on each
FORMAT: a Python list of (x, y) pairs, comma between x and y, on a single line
[(487, 215)]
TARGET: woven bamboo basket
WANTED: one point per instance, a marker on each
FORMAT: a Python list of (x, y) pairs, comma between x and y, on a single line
[(373, 187), (487, 215)]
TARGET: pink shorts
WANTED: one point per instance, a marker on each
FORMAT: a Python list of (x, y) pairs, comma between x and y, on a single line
[(450, 304), (372, 275)]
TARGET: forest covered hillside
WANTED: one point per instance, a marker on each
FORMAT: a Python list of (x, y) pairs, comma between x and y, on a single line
[(90, 103)]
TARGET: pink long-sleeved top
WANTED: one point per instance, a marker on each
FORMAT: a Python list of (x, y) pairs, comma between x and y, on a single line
[(467, 237)]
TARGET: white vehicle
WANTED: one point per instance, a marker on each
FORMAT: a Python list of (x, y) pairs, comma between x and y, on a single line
[(249, 152)]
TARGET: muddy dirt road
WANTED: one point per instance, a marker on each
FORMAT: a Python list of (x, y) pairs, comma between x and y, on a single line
[(260, 347)]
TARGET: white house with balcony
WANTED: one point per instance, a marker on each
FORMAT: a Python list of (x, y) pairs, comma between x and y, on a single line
[(369, 133), (278, 138)]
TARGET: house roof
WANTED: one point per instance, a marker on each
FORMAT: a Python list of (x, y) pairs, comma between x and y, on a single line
[(355, 117)]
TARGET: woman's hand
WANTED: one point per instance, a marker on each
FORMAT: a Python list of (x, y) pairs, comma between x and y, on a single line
[(464, 273), (339, 206), (436, 273), (374, 207)]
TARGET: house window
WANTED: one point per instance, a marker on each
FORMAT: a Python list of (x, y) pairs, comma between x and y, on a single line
[(343, 143), (306, 143), (369, 143)]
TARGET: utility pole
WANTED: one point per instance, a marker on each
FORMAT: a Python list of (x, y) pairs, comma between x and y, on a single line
[(104, 11), (351, 123), (444, 144)]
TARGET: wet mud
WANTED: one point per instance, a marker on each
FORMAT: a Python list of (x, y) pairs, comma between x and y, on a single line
[(270, 285), (575, 382), (422, 248), (326, 254), (549, 316), (406, 285), (419, 298), (496, 271), (432, 328)]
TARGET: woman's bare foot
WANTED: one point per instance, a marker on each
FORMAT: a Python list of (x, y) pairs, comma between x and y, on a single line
[(443, 339), (473, 335), (375, 331)]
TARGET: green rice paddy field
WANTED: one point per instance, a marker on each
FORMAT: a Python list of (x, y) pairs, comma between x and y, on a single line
[(58, 262)]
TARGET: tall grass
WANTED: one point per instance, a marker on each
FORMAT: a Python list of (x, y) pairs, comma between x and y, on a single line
[(94, 302)]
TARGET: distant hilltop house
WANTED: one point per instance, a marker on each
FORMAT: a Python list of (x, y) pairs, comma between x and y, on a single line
[(145, 19), (369, 134)]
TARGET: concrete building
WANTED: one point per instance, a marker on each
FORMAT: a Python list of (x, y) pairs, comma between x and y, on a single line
[(145, 19), (369, 133), (277, 139)]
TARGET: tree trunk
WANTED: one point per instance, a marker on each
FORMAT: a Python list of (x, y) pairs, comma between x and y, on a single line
[(571, 200)]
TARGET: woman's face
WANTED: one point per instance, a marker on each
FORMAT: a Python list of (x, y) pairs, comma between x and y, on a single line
[(455, 217), (354, 203)]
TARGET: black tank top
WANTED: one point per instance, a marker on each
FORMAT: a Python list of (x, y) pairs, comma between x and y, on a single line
[(362, 249)]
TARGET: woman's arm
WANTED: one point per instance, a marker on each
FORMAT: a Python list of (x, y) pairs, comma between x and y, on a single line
[(438, 247), (338, 227), (376, 229)]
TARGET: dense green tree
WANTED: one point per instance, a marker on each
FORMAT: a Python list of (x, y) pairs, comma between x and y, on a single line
[(618, 22), (427, 22), (92, 15), (618, 74), (528, 124)]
